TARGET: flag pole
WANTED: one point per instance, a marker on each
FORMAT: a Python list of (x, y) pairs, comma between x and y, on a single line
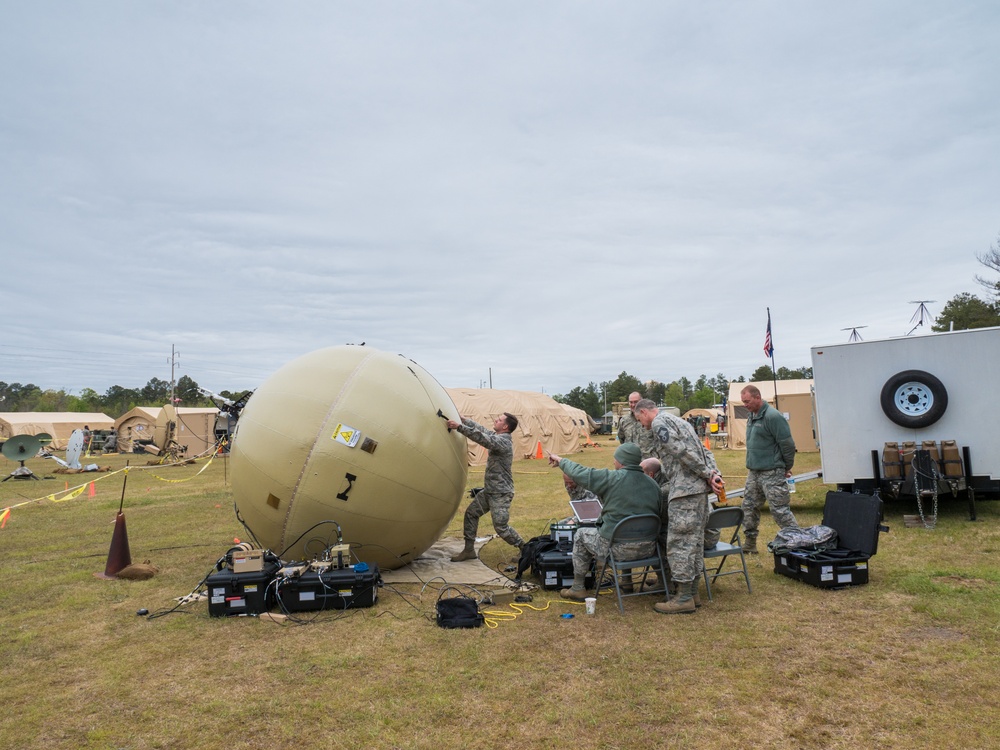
[(769, 350)]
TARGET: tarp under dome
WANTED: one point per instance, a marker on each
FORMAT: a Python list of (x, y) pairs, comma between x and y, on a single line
[(561, 429), (60, 425)]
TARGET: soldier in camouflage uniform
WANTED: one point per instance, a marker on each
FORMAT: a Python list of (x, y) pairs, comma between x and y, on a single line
[(498, 482), (691, 474), (576, 492), (625, 491), (630, 431), (654, 470)]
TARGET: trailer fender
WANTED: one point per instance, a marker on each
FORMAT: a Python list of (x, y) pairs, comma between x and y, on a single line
[(914, 399)]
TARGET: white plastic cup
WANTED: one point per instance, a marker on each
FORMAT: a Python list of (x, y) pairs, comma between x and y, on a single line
[(591, 603)]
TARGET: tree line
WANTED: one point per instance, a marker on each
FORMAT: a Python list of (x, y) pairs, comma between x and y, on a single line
[(116, 401)]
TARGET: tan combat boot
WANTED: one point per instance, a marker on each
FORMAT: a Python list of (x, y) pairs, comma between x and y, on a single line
[(469, 553), (682, 604)]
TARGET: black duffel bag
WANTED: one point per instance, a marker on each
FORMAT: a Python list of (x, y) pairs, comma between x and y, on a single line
[(459, 612)]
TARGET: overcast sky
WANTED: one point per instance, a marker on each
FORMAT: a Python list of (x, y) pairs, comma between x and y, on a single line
[(544, 193)]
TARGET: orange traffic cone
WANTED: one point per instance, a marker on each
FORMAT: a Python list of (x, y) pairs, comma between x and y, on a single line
[(119, 556), (708, 446), (91, 491), (538, 451)]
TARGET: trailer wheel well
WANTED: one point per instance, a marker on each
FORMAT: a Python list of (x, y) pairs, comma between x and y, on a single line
[(914, 399)]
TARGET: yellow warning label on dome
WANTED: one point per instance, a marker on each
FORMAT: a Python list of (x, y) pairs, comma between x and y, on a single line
[(346, 435)]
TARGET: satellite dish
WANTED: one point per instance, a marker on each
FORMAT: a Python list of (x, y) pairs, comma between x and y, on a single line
[(44, 438), (74, 449), (21, 448)]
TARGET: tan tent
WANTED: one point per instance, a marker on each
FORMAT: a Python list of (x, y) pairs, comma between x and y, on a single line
[(194, 427), (60, 425), (712, 414), (136, 424), (584, 421), (794, 400), (540, 419)]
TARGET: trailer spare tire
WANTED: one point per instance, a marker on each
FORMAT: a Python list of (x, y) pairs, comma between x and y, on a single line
[(914, 399)]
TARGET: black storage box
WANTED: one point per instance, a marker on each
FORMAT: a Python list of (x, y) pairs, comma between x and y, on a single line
[(554, 568), (857, 519), (248, 593), (334, 588)]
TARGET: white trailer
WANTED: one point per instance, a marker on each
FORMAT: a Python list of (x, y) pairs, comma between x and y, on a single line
[(914, 392)]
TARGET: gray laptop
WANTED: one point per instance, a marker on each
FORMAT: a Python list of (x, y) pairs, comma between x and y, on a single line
[(586, 511)]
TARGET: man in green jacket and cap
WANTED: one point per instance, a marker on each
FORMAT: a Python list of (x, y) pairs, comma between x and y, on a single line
[(624, 491), (770, 456)]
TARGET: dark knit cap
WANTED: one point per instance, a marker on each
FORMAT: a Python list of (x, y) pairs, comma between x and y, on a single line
[(627, 454)]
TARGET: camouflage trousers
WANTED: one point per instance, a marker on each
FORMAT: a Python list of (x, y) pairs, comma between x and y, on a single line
[(712, 536), (498, 506), (589, 547), (769, 485), (686, 537)]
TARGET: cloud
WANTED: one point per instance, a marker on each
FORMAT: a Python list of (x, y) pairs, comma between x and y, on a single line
[(542, 195)]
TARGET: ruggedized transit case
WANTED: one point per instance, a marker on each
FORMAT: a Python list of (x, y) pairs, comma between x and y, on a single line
[(857, 519), (334, 588), (248, 593), (554, 568)]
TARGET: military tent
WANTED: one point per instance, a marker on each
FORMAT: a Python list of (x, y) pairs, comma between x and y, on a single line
[(712, 414), (541, 419), (60, 425), (134, 425), (794, 400), (194, 427)]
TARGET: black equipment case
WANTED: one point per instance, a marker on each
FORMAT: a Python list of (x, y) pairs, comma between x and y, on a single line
[(554, 568), (334, 588), (857, 519), (248, 593)]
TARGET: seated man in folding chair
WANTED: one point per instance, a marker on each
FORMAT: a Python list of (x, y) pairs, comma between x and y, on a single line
[(625, 491), (576, 492)]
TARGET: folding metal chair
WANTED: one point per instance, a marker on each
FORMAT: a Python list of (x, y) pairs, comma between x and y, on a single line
[(644, 528), (724, 518)]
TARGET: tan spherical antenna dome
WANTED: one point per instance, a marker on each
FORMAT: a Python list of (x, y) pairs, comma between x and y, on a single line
[(351, 436)]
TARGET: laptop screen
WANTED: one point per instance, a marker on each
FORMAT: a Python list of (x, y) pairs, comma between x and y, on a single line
[(586, 511)]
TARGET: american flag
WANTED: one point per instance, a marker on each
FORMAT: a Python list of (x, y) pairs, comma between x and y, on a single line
[(768, 346)]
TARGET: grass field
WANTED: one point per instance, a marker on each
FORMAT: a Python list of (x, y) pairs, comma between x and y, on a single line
[(908, 661)]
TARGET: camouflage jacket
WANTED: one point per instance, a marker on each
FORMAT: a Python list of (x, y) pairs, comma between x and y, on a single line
[(499, 478), (630, 430), (687, 465), (580, 493)]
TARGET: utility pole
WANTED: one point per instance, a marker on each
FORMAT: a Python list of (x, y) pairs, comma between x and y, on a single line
[(173, 362)]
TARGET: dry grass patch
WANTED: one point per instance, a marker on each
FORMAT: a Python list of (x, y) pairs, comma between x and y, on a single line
[(893, 664)]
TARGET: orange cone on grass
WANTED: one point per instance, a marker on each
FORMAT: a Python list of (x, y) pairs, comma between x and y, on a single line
[(538, 450), (91, 491)]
